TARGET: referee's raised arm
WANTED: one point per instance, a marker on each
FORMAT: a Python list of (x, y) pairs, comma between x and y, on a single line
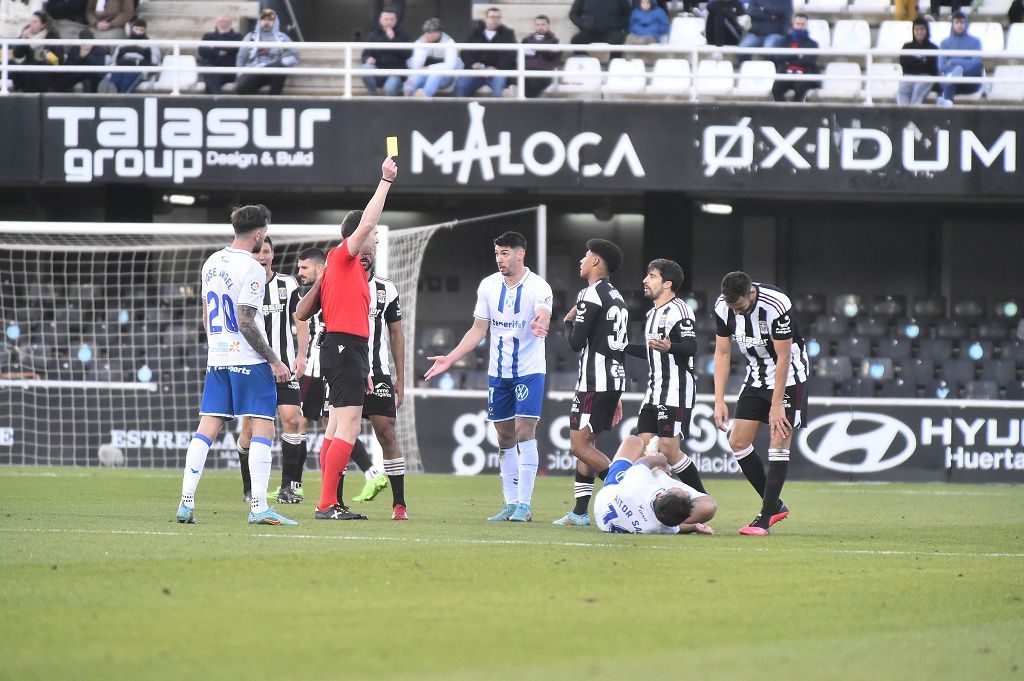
[(371, 214)]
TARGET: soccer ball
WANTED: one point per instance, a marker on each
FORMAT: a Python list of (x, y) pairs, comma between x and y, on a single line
[(110, 455)]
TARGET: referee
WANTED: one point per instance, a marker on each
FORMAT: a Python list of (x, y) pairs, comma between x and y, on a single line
[(344, 295)]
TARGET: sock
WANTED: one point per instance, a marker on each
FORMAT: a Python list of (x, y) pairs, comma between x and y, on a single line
[(243, 465), (778, 465), (582, 490), (291, 450), (372, 472), (341, 489), (509, 467), (301, 465), (687, 472), (335, 461), (395, 468), (259, 470), (752, 467), (324, 446), (361, 457), (529, 459), (195, 459)]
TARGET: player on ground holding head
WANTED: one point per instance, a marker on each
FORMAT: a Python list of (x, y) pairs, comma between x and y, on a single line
[(287, 336), (760, 319), (242, 369), (639, 497), (344, 294), (670, 344), (515, 304), (597, 325)]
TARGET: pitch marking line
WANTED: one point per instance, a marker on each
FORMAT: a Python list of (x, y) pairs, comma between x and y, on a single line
[(505, 542)]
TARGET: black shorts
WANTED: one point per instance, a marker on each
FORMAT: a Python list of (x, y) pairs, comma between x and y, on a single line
[(381, 402), (593, 410), (314, 397), (664, 421), (289, 393), (754, 404), (345, 363)]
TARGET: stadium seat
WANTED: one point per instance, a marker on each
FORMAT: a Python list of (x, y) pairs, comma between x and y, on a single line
[(697, 300), (583, 76), (471, 380), (938, 349), (734, 383), (919, 371), (1002, 371), (969, 309), (670, 77), (181, 68), (1012, 90), (957, 371), (685, 31), (6, 357), (821, 386), (991, 330), (818, 30), (841, 81), (929, 307), (755, 81), (817, 347), (893, 34), (437, 336), (878, 369), (953, 329), (714, 78), (852, 35), (1013, 349), (1015, 391), (847, 305), (884, 79), (829, 7), (897, 387), (939, 31), (895, 348), (869, 327), (1015, 40), (888, 307), (977, 349), (990, 33), (564, 380), (625, 77), (856, 387), (829, 325), (835, 367), (871, 8), (853, 347), (808, 305), (994, 8), (981, 390)]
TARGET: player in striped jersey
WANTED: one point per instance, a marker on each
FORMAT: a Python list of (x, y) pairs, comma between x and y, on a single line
[(760, 319), (597, 326), (669, 346), (287, 335)]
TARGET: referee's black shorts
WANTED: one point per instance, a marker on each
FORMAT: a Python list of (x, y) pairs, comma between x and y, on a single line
[(345, 364)]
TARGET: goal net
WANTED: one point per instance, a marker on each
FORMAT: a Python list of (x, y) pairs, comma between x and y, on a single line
[(103, 352)]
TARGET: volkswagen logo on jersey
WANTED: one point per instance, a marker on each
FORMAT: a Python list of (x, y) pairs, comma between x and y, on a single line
[(857, 442), (522, 392)]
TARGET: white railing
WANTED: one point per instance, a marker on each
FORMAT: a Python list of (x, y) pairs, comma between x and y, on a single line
[(349, 63)]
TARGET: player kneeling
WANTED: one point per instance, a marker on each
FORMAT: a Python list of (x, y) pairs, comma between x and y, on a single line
[(640, 497)]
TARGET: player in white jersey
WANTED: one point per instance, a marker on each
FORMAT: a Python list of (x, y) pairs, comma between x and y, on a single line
[(515, 304), (242, 369), (670, 343), (760, 319), (639, 497), (286, 335)]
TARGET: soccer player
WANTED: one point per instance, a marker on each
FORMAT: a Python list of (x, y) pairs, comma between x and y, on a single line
[(286, 335), (343, 293), (515, 304), (639, 497), (759, 318), (670, 344), (242, 368), (597, 326)]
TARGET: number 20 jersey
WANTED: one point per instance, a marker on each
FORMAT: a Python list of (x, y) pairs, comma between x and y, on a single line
[(231, 278), (602, 313)]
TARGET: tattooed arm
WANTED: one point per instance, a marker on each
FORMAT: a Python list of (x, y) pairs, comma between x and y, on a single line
[(247, 327)]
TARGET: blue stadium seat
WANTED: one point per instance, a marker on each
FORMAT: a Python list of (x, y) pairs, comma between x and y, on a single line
[(981, 390), (848, 305), (878, 369), (697, 300), (938, 388), (836, 368), (896, 348), (977, 350)]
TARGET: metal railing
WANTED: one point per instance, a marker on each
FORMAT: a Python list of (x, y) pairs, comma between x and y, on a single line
[(349, 63)]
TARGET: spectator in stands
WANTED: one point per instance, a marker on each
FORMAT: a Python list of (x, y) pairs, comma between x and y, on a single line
[(936, 5), (727, 21), (648, 25), (108, 18), (219, 56), (490, 63), (39, 27), (131, 55), (84, 55), (540, 60), (265, 57), (795, 64), (959, 67), (600, 21), (434, 50), (917, 65), (68, 15), (396, 6), (1015, 15), (769, 20), (904, 10), (387, 30)]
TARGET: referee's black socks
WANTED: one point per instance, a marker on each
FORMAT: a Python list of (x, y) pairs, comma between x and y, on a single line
[(243, 465)]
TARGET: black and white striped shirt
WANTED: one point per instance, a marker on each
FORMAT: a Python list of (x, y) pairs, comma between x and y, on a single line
[(316, 325), (670, 378), (600, 332), (280, 298), (384, 310), (771, 319)]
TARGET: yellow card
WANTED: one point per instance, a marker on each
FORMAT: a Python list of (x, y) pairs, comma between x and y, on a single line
[(392, 147)]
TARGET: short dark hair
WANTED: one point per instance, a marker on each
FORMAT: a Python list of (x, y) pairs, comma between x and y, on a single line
[(801, 14), (313, 253), (672, 509), (735, 285), (669, 271), (86, 34), (246, 219), (350, 223), (511, 240), (139, 22), (542, 17), (268, 242), (607, 251)]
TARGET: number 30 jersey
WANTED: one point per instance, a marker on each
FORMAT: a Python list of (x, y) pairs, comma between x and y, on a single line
[(231, 278), (600, 332)]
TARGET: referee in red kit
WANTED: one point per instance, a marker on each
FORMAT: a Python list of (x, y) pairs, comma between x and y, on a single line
[(344, 295)]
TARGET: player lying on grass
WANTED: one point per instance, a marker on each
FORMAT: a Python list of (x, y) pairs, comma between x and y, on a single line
[(640, 497)]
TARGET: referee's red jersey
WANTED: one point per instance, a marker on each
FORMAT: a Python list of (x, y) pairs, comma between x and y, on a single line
[(345, 294)]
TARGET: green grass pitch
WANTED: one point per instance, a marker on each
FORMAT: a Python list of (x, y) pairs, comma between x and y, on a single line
[(861, 582)]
